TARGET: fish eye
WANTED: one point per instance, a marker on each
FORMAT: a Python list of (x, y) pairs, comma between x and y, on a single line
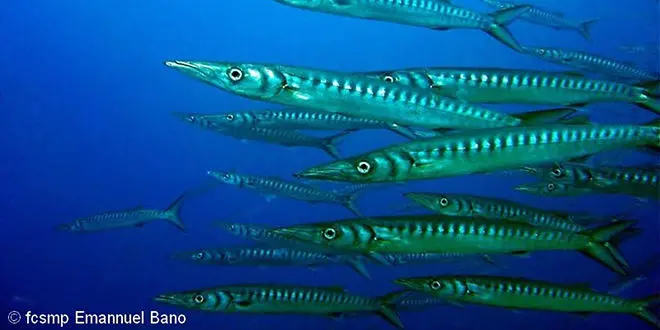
[(541, 51), (199, 299), (235, 74), (229, 117), (557, 172), (436, 285), (329, 233), (198, 256), (551, 187), (227, 176), (364, 167), (191, 118), (388, 79), (444, 201)]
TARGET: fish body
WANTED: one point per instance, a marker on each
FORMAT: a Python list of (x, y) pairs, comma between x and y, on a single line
[(433, 14), (256, 233), (473, 206), (549, 18), (282, 299), (487, 150), (400, 259), (437, 234), (634, 181), (592, 62), (270, 256), (221, 124), (347, 93), (132, 217), (496, 86), (521, 293), (553, 189), (418, 301), (272, 186)]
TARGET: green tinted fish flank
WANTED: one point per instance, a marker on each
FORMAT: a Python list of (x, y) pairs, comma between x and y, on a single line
[(346, 93), (434, 14), (438, 234), (520, 293), (281, 299), (495, 85), (479, 151), (554, 189), (133, 217), (493, 209)]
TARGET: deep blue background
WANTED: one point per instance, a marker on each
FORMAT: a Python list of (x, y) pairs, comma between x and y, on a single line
[(85, 104)]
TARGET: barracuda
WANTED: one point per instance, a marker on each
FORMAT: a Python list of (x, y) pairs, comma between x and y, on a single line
[(399, 259), (272, 186), (487, 150), (270, 256), (553, 19), (433, 14), (132, 217), (495, 85), (553, 189), (634, 181), (494, 209), (592, 62), (438, 234), (307, 120), (347, 93), (521, 293), (418, 301), (276, 136), (284, 299)]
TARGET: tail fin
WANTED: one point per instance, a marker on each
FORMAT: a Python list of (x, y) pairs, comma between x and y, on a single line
[(645, 313), (329, 144), (387, 305), (504, 17), (544, 116), (602, 246), (655, 147), (585, 28), (174, 212), (358, 266), (650, 92), (351, 196)]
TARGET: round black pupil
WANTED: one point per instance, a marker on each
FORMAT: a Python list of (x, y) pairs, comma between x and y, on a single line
[(364, 166), (236, 74), (230, 117)]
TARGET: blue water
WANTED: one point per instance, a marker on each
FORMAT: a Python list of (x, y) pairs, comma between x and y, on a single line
[(85, 104)]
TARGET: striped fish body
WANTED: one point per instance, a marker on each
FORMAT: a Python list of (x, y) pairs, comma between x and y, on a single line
[(314, 120), (592, 62), (279, 136), (554, 189), (398, 259), (493, 209), (121, 219), (257, 233), (528, 294), (346, 93), (477, 151), (424, 13), (418, 301), (256, 255)]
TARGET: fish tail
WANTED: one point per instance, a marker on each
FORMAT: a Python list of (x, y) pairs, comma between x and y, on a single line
[(356, 263), (174, 212), (330, 143), (655, 146), (649, 95), (387, 305), (501, 19), (645, 310), (603, 248), (585, 28)]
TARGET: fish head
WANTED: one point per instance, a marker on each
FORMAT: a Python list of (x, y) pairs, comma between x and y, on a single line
[(551, 189), (327, 235), (441, 203), (72, 226), (435, 285), (366, 168), (205, 300), (236, 119), (197, 256), (235, 229), (204, 120), (405, 78), (231, 178), (253, 80)]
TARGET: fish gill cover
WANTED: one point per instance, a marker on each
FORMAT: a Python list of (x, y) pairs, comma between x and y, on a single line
[(336, 164)]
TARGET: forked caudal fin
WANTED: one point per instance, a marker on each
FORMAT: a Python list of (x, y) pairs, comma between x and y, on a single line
[(646, 313), (330, 143), (585, 28), (602, 246), (174, 212), (356, 263), (387, 303), (501, 19), (351, 196)]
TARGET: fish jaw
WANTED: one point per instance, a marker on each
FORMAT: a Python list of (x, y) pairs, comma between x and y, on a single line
[(414, 283), (305, 234), (205, 71), (422, 199), (345, 170)]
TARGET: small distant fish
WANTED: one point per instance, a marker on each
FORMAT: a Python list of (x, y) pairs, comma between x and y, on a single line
[(134, 217), (271, 256), (434, 14), (415, 301), (284, 299), (521, 293), (638, 274), (273, 186), (550, 18), (286, 138), (254, 232), (292, 119), (553, 189), (595, 63)]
